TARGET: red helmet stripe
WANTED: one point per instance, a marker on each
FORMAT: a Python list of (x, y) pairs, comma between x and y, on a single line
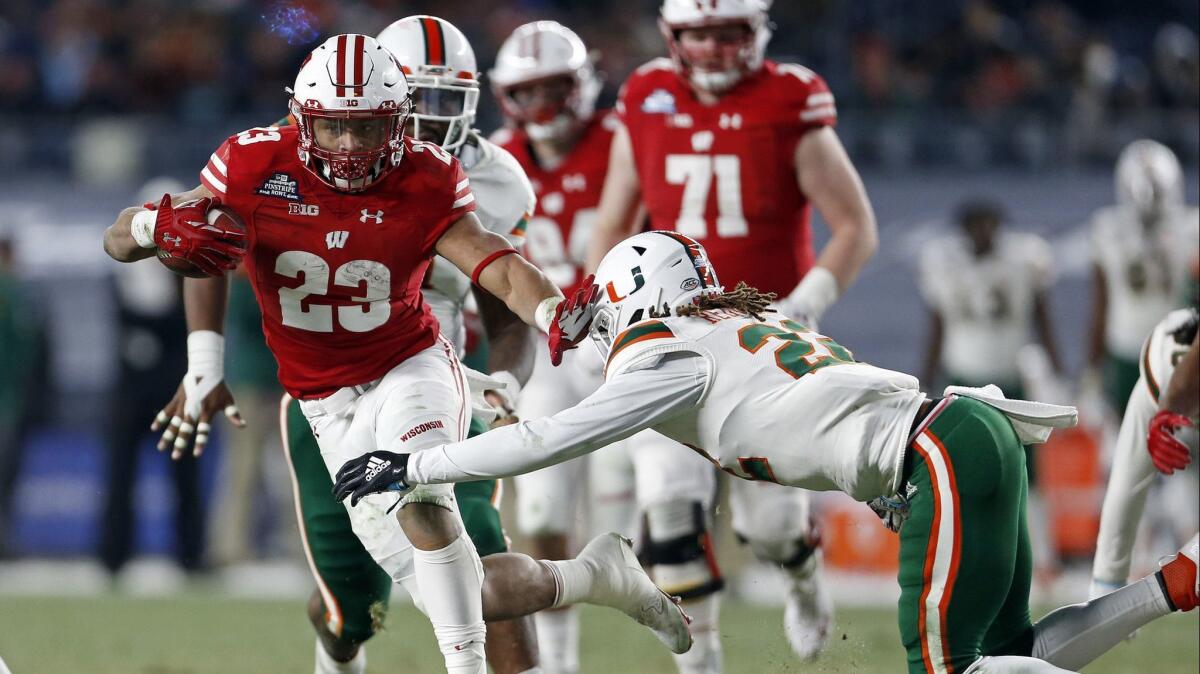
[(358, 46), (435, 49), (340, 64)]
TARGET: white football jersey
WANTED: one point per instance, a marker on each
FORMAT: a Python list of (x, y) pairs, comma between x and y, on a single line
[(986, 303), (1146, 271), (504, 202), (762, 400), (1132, 472)]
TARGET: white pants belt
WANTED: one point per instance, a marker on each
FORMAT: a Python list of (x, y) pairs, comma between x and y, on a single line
[(336, 402)]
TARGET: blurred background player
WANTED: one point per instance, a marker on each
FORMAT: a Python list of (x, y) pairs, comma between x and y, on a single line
[(727, 147), (24, 362), (1167, 389), (1144, 252), (153, 352), (440, 66), (986, 287), (546, 86)]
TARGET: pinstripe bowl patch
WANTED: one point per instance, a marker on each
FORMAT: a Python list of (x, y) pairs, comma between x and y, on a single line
[(280, 186)]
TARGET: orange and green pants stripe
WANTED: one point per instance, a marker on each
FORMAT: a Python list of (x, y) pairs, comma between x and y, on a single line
[(965, 559)]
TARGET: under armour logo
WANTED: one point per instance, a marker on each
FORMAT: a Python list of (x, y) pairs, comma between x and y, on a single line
[(173, 240), (337, 239), (377, 216)]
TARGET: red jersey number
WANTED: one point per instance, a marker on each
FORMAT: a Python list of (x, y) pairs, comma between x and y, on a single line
[(320, 317), (697, 173)]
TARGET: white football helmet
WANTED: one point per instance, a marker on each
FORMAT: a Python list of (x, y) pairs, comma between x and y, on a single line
[(539, 51), (677, 15), (1149, 179), (645, 275), (440, 66), (350, 85)]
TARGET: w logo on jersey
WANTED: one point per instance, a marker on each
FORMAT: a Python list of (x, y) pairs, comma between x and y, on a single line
[(336, 239), (377, 216)]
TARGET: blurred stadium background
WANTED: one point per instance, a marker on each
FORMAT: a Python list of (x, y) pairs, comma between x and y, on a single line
[(1026, 102)]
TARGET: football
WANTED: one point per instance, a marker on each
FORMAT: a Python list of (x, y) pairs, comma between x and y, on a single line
[(220, 216)]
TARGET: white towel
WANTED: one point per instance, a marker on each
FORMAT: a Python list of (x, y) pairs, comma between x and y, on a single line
[(1033, 421), (479, 382)]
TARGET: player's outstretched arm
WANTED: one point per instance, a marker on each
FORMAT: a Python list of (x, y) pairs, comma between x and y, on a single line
[(120, 241), (202, 393), (830, 181), (617, 215), (629, 402), (497, 268)]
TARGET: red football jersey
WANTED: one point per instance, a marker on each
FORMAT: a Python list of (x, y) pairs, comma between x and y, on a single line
[(557, 237), (337, 275), (725, 174)]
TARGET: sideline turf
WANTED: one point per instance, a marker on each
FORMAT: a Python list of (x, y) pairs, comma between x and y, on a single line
[(197, 634)]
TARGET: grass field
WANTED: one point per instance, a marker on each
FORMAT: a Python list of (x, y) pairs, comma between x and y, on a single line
[(197, 634)]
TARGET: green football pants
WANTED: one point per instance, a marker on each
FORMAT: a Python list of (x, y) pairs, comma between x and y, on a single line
[(965, 558)]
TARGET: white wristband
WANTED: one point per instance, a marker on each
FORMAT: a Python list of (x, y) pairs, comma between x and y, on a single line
[(142, 228), (543, 316), (206, 352), (815, 293)]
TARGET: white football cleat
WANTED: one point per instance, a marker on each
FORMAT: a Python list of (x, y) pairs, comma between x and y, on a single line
[(808, 614), (618, 581)]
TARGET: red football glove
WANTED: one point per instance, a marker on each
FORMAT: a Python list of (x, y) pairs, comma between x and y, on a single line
[(572, 318), (183, 231), (1166, 451)]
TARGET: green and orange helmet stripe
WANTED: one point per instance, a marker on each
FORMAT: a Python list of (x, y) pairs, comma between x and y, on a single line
[(641, 332)]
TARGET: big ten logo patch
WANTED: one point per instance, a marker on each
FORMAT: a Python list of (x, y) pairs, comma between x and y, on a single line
[(304, 209)]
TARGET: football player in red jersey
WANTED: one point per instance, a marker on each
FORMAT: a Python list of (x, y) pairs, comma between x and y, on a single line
[(546, 85), (344, 214), (729, 148)]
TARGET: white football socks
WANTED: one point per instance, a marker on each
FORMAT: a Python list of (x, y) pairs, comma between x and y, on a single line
[(1073, 636), (705, 654), (327, 665), (451, 585), (558, 640)]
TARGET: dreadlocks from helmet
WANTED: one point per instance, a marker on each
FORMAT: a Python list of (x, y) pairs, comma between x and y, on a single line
[(742, 298)]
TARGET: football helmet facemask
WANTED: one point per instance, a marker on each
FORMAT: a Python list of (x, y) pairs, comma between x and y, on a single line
[(721, 56), (350, 102), (439, 64), (648, 275), (545, 80)]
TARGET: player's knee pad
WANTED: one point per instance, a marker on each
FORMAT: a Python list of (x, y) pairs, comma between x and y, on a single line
[(793, 553), (678, 550)]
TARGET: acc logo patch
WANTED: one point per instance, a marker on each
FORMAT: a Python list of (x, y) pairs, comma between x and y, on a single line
[(689, 284)]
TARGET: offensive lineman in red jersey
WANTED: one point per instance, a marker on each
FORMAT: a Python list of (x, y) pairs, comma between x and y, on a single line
[(547, 88), (339, 242), (731, 149)]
